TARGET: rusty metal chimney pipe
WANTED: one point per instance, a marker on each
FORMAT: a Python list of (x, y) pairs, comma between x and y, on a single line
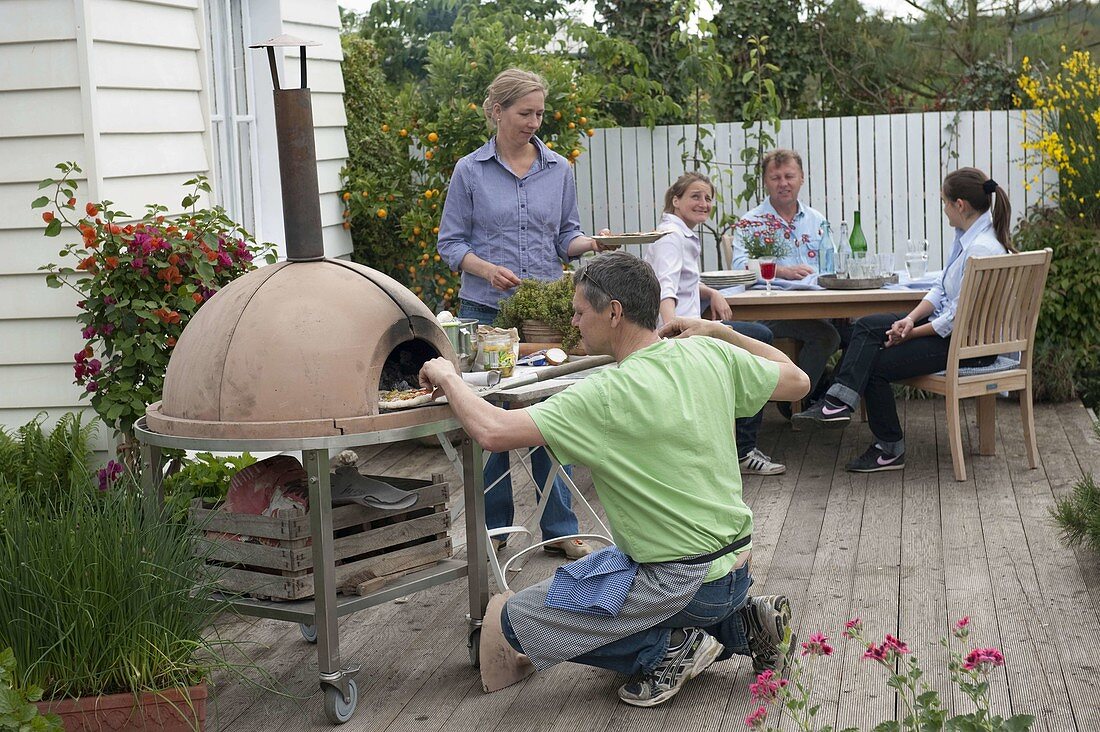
[(297, 159)]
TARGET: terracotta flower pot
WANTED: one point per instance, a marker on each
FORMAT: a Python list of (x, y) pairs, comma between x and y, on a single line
[(174, 710), (537, 331)]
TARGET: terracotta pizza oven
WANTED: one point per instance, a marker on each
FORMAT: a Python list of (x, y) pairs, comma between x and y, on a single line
[(301, 348)]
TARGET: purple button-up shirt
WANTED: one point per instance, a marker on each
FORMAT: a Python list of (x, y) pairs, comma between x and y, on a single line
[(522, 223)]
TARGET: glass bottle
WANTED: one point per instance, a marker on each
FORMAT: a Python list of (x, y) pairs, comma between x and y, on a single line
[(858, 241), (844, 254), (826, 251)]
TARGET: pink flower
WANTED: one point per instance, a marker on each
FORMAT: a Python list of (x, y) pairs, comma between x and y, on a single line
[(91, 386), (853, 628), (756, 719), (896, 645), (818, 645), (94, 366), (983, 660), (79, 369), (962, 627), (137, 263), (766, 687), (876, 653), (88, 332)]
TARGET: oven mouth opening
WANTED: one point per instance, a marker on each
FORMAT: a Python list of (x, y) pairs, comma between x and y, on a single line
[(401, 371)]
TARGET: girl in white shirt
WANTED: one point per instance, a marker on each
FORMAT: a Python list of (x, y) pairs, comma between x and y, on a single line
[(675, 259), (887, 348)]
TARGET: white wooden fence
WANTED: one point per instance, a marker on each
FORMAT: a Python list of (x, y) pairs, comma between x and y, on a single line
[(889, 167)]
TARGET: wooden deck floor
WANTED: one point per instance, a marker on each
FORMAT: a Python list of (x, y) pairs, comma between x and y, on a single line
[(909, 552)]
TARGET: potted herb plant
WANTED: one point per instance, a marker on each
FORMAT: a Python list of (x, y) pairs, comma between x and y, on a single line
[(543, 312), (100, 600)]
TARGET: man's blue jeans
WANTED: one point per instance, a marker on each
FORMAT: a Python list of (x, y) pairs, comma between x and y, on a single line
[(558, 518), (714, 609)]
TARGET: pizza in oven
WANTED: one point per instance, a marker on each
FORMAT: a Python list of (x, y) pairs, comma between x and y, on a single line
[(404, 398)]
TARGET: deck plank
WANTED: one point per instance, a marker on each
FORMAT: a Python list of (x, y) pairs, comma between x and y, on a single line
[(909, 552)]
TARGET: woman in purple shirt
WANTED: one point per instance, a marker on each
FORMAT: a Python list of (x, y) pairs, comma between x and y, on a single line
[(511, 214)]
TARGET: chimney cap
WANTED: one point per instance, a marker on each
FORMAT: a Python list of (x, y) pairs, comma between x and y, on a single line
[(285, 40)]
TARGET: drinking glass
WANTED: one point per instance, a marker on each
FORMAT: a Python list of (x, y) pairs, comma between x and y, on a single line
[(767, 272), (916, 259), (857, 265), (885, 263)]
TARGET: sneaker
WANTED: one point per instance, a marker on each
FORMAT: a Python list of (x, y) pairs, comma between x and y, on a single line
[(757, 463), (767, 619), (681, 663), (569, 548), (498, 544), (825, 413), (875, 460)]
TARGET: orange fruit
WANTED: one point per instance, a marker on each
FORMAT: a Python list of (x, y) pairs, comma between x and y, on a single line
[(385, 128), (403, 132), (572, 125), (550, 144), (381, 213), (429, 155), (590, 132), (575, 153), (584, 120), (433, 137), (347, 196), (365, 194), (428, 194), (435, 229), (472, 107), (416, 231), (347, 225), (557, 115), (578, 110)]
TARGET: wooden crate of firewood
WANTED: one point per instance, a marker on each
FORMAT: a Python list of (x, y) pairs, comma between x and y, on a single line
[(371, 546)]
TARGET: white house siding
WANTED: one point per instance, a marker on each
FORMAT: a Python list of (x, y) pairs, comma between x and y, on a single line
[(120, 86)]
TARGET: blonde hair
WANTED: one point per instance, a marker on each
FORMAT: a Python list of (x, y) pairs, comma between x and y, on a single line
[(679, 188), (508, 87)]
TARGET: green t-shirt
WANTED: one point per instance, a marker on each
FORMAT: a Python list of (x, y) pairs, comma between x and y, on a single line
[(657, 433)]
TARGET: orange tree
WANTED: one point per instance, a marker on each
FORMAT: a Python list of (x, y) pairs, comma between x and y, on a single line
[(394, 200)]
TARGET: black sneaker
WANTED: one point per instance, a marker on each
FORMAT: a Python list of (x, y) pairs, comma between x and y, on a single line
[(876, 460), (681, 663), (767, 619), (825, 413)]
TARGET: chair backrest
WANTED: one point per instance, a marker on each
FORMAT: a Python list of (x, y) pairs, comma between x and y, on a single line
[(999, 305)]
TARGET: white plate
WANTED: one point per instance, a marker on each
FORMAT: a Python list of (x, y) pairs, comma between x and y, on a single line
[(727, 273)]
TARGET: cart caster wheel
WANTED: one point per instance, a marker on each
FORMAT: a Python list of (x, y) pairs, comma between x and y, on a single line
[(309, 632), (337, 710), (474, 643)]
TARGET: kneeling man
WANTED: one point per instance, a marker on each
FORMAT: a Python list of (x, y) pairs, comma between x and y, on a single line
[(657, 433)]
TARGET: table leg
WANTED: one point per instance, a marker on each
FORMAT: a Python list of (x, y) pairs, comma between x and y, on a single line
[(473, 479)]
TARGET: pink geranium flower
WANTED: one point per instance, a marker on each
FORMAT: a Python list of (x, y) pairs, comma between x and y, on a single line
[(757, 719), (766, 687), (983, 660), (896, 645), (818, 645), (876, 653), (962, 627)]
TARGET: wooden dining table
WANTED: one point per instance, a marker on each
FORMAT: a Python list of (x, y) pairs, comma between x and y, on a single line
[(812, 304)]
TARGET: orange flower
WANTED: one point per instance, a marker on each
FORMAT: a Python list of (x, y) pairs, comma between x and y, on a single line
[(197, 298), (88, 264), (171, 341), (114, 228), (173, 258), (47, 216), (91, 209), (88, 351), (72, 201), (170, 275), (112, 262), (168, 317)]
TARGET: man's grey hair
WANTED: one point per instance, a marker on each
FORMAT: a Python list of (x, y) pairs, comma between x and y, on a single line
[(623, 277)]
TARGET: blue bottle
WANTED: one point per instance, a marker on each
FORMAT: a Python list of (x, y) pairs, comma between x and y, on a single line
[(826, 251)]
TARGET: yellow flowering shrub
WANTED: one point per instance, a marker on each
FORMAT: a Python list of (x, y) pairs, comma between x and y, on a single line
[(1065, 132)]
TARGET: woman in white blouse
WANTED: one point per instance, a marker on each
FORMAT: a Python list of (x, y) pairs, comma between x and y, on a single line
[(675, 259), (887, 348)]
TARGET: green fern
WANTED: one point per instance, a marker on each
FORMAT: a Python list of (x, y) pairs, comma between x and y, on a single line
[(47, 465), (1079, 515)]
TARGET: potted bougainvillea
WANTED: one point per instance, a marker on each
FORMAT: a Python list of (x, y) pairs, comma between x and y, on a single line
[(140, 281)]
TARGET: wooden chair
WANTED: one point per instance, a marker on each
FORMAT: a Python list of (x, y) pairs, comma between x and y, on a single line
[(997, 313)]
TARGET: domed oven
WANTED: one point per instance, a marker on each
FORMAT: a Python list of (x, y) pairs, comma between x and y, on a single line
[(293, 356)]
